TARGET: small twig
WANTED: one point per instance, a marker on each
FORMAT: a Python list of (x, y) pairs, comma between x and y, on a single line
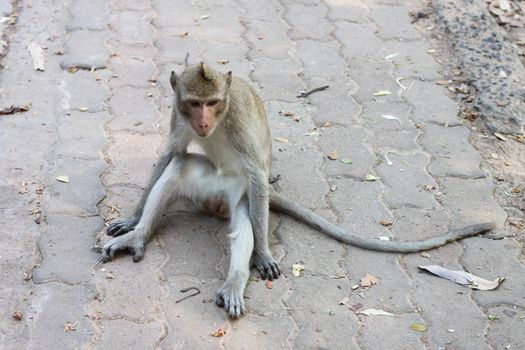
[(275, 179), (321, 88), (186, 59), (188, 296)]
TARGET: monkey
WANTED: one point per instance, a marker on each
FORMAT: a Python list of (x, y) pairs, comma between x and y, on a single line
[(225, 116)]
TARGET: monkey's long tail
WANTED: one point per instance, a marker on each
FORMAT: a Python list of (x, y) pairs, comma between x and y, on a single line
[(286, 206)]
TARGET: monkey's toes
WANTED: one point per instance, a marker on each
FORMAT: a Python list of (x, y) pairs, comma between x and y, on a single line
[(120, 227), (232, 302), (134, 247)]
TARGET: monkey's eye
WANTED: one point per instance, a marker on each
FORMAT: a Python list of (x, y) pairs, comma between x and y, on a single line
[(212, 103), (195, 103)]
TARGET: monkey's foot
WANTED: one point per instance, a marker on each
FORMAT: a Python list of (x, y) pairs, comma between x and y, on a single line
[(230, 296), (133, 242), (121, 227), (267, 266)]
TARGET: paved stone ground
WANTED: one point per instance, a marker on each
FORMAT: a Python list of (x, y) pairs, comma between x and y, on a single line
[(102, 125)]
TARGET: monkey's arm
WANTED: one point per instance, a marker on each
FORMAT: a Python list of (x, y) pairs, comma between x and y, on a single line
[(123, 226), (286, 206)]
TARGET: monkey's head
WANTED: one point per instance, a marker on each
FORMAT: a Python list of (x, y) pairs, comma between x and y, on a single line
[(201, 97)]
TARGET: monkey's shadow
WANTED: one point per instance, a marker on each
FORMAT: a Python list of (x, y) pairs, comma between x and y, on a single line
[(197, 244)]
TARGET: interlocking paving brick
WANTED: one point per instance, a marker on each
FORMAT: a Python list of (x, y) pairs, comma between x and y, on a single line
[(82, 91), (353, 149), (88, 14), (269, 73), (268, 41), (470, 201), (412, 60), (64, 237), (133, 27), (431, 105), (133, 109), (86, 49), (452, 154), (121, 333), (55, 308), (81, 195), (398, 191), (400, 336), (387, 133), (393, 22), (320, 59), (308, 21), (132, 156), (80, 134), (507, 330), (355, 11), (132, 70)]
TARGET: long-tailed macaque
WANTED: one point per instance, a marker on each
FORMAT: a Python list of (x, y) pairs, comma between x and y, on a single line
[(224, 115)]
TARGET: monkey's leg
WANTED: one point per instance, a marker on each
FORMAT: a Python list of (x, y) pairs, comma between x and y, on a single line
[(231, 294), (123, 226), (156, 201)]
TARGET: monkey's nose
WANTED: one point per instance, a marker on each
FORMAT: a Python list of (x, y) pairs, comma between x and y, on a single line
[(203, 126)]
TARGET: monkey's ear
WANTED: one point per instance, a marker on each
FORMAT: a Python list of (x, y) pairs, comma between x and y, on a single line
[(205, 72), (173, 80), (228, 79)]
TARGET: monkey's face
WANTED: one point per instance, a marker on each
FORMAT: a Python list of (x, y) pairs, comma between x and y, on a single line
[(203, 115)]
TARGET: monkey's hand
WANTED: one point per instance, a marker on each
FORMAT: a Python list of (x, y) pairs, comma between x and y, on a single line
[(230, 296), (133, 242), (122, 226), (267, 266)]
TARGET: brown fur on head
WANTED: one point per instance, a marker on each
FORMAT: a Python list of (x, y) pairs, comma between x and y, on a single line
[(201, 97)]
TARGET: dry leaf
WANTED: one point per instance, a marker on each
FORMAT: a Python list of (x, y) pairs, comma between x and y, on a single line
[(203, 17), (37, 53), (346, 161), (268, 284), (425, 255), (375, 312), (355, 286), (70, 326), (391, 117), (369, 280), (218, 333), (223, 61), (297, 270), (442, 82), (332, 155), (382, 93), (17, 315), (15, 109), (386, 222), (184, 34), (327, 125), (344, 301), (63, 178), (83, 109), (281, 139), (371, 177), (420, 327), (109, 276), (500, 136), (60, 52), (464, 278)]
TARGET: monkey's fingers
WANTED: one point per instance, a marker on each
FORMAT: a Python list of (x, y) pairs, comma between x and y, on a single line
[(119, 228), (268, 270), (137, 250), (232, 302)]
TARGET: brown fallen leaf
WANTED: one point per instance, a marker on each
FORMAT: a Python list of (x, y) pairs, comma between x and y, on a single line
[(442, 82), (464, 278), (281, 139), (332, 155), (218, 333), (369, 280), (17, 315), (15, 109), (268, 284), (70, 326), (73, 69), (60, 52), (327, 125), (223, 61), (386, 222), (184, 34)]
